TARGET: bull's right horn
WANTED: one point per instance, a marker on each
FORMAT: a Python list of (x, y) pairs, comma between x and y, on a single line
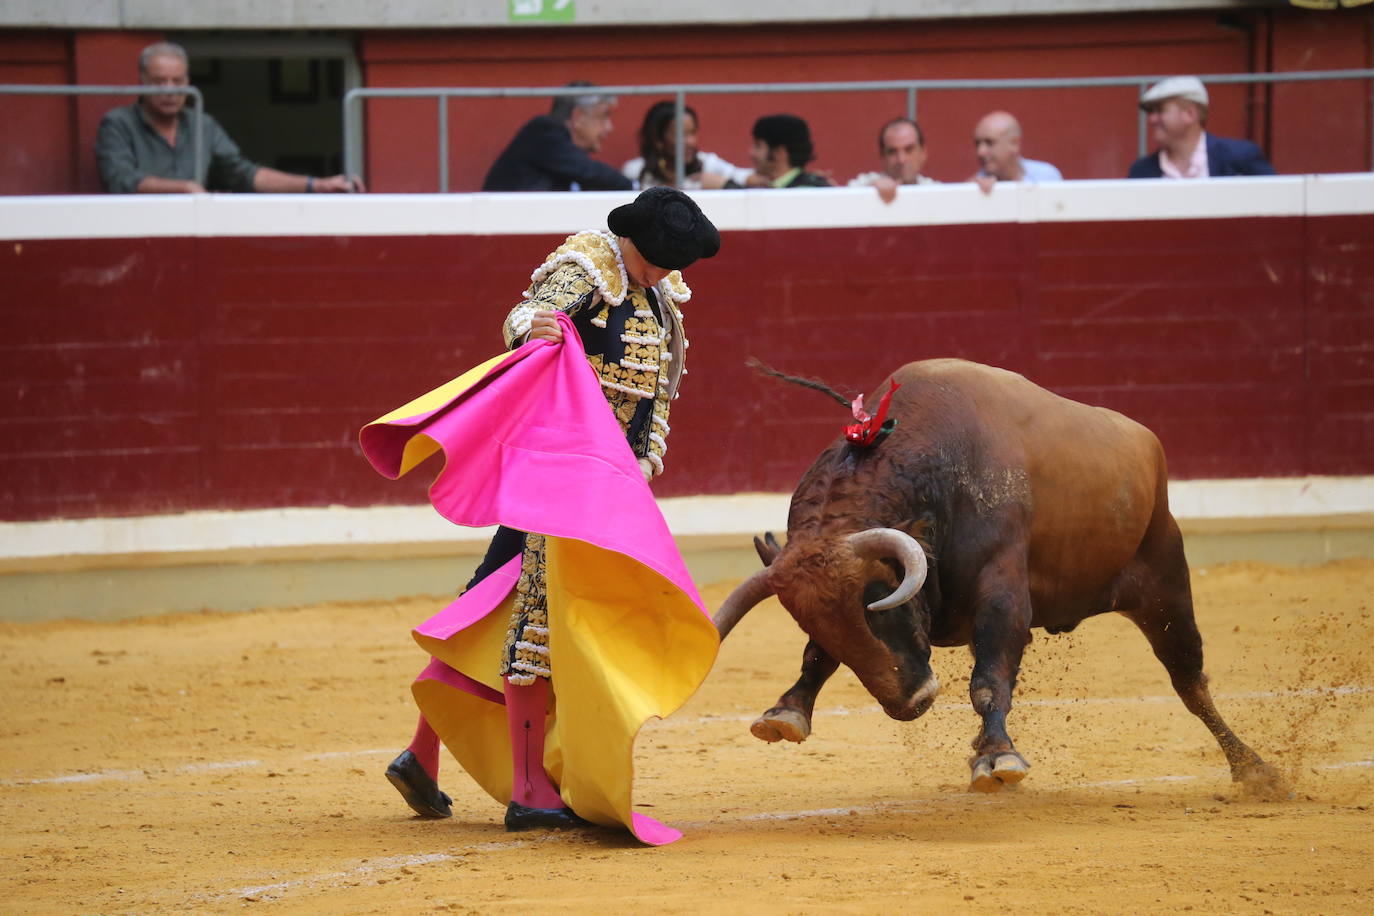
[(742, 600), (881, 543)]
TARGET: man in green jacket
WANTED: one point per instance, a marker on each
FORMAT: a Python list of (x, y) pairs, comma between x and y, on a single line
[(146, 147), (782, 148)]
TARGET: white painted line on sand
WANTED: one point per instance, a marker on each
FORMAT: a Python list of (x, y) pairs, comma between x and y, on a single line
[(331, 755), (366, 869), (209, 766), (396, 863), (220, 765)]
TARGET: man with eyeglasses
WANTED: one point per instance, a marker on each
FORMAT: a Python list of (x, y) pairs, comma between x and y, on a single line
[(146, 147)]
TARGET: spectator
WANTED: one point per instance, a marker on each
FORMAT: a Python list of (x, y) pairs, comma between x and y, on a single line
[(997, 141), (146, 147), (656, 163), (902, 147), (782, 148), (1177, 115), (552, 152)]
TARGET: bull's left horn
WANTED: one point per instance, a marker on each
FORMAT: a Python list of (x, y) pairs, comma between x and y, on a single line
[(749, 593), (881, 543)]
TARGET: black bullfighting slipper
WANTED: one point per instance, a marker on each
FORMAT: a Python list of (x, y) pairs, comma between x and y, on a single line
[(416, 787), (518, 817)]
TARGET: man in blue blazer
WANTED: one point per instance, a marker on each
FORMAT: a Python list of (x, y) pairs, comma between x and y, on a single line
[(1177, 114), (553, 152)]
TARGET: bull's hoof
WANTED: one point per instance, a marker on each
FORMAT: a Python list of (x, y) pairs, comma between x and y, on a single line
[(1260, 780), (993, 771), (781, 725)]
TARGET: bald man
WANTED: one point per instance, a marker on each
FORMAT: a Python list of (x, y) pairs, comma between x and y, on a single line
[(997, 142)]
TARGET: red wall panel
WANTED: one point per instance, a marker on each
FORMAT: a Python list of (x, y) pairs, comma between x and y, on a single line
[(1340, 352), (1303, 112), (35, 157)]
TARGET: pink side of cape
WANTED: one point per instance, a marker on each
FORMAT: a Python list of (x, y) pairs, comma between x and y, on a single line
[(533, 447)]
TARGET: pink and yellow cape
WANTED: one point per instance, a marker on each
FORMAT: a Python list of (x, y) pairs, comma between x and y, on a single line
[(528, 442)]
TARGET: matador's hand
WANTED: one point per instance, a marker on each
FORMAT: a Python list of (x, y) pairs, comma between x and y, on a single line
[(544, 326)]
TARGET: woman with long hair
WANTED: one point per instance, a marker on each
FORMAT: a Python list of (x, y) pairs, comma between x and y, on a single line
[(656, 163)]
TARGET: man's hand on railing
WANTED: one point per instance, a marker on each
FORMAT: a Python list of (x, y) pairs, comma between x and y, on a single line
[(152, 184), (338, 184)]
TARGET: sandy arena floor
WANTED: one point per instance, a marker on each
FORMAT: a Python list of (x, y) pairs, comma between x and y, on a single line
[(218, 762)]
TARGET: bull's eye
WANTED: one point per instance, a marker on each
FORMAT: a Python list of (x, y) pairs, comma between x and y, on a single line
[(876, 591)]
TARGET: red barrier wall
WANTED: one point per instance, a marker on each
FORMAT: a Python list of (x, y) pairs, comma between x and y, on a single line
[(153, 375)]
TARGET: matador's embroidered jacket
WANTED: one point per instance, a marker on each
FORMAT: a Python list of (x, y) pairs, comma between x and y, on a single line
[(634, 339), (633, 336)]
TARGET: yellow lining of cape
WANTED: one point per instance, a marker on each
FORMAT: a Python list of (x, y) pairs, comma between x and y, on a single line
[(626, 645), (420, 446)]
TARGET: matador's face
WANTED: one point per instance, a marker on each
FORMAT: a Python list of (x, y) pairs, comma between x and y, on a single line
[(637, 267)]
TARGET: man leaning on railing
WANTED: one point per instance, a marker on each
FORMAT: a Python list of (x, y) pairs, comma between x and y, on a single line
[(143, 148)]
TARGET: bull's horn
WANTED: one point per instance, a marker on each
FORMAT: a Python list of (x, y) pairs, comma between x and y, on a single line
[(881, 543), (742, 600)]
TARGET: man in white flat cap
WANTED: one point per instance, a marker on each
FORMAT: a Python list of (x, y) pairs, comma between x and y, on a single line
[(1177, 115)]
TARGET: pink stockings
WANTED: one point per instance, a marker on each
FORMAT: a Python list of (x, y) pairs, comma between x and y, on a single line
[(425, 747), (525, 710), (526, 707)]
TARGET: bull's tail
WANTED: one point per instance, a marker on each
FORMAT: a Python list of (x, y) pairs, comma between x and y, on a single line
[(759, 365)]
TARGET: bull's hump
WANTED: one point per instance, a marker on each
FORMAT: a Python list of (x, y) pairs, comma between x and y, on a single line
[(949, 367), (1011, 396)]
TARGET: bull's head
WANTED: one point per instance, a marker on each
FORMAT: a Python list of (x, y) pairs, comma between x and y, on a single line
[(858, 596)]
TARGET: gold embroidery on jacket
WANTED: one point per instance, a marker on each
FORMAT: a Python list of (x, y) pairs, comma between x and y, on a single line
[(527, 640)]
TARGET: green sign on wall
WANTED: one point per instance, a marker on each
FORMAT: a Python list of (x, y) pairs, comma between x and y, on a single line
[(543, 10)]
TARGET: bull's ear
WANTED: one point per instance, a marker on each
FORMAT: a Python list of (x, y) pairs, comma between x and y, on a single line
[(767, 548)]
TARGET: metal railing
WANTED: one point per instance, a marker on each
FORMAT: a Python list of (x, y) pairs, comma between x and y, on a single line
[(352, 107), (197, 130)]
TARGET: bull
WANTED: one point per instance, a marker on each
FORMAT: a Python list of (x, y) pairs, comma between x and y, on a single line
[(991, 507)]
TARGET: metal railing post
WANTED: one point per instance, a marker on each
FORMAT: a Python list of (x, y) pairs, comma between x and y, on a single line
[(443, 144), (1140, 121), (680, 146), (911, 102), (198, 137), (350, 166)]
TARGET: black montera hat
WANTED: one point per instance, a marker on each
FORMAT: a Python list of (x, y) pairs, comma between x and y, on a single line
[(667, 227)]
